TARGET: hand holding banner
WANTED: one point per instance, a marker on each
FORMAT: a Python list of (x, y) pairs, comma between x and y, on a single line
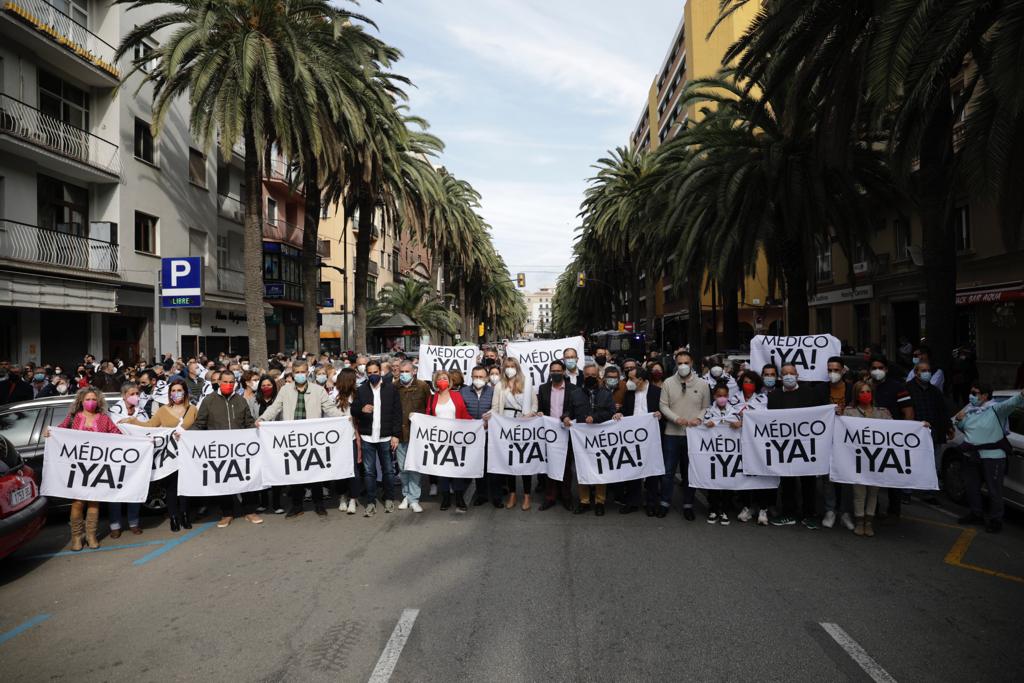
[(889, 453), (716, 461), (219, 462), (165, 448), (795, 442), (113, 468), (445, 448), (619, 450), (307, 451), (809, 353), (526, 446), (434, 358), (535, 357)]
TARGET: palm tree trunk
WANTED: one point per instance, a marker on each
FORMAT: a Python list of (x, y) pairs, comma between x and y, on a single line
[(252, 251), (310, 271), (798, 312), (694, 326), (363, 239), (730, 316)]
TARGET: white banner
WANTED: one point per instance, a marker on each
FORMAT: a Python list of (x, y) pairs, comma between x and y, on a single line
[(113, 468), (219, 462), (445, 448), (894, 454), (536, 356), (307, 451), (433, 358), (165, 448), (795, 442), (716, 461), (809, 354), (617, 450), (532, 445)]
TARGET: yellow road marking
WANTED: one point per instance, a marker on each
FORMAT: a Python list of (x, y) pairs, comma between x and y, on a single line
[(955, 556)]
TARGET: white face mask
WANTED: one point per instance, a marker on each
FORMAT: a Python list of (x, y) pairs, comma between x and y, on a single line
[(495, 379), (683, 369), (361, 368), (716, 371), (479, 382), (630, 385), (835, 377), (878, 374), (510, 372), (254, 384), (245, 367)]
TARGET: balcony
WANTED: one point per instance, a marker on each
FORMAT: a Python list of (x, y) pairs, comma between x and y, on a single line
[(282, 231), (230, 280), (55, 249), (230, 207), (54, 144), (282, 173), (56, 38)]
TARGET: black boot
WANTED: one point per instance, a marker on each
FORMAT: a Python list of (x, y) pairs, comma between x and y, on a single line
[(174, 524), (446, 501), (186, 521), (460, 502)]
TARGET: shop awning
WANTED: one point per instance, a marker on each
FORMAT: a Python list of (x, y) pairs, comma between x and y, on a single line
[(66, 294), (989, 294)]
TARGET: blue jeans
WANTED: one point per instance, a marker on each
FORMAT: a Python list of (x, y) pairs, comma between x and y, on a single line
[(374, 453), (410, 480), (673, 447), (116, 514)]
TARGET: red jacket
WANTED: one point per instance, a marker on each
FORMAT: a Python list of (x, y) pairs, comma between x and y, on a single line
[(460, 406), (103, 423)]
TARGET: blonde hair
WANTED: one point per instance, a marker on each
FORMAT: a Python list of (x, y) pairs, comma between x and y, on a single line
[(518, 383), (76, 405), (858, 387), (438, 374)]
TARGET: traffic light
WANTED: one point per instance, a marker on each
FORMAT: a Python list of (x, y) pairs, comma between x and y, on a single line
[(480, 330), (520, 279), (581, 279)]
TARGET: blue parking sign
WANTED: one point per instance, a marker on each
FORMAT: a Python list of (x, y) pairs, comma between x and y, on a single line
[(181, 282)]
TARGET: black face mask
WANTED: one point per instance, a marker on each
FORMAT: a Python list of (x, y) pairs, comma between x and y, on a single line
[(590, 383), (601, 360), (557, 377), (373, 379), (488, 362)]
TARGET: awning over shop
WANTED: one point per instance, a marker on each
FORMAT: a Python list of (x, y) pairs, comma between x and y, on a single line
[(39, 291), (989, 294)]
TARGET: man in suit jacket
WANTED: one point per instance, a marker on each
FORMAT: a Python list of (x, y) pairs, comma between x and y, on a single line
[(14, 388), (378, 411), (559, 399), (641, 398)]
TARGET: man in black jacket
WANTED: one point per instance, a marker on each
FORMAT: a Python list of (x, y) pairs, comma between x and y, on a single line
[(378, 409), (594, 403), (14, 388), (556, 398), (641, 398), (930, 407)]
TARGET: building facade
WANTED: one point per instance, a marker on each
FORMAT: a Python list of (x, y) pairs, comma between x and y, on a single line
[(539, 312)]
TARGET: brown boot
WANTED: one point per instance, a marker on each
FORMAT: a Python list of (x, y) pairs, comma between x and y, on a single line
[(868, 529), (858, 526), (77, 525), (92, 521)]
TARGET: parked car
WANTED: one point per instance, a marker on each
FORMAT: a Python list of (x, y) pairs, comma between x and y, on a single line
[(952, 481), (25, 422), (22, 509)]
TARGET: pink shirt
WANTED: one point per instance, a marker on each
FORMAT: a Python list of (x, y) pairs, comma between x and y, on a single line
[(557, 400)]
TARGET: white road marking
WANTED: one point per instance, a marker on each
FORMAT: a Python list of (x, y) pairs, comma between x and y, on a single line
[(857, 654), (393, 650), (942, 510)]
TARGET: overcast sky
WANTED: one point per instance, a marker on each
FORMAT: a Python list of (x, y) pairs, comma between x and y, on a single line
[(527, 94)]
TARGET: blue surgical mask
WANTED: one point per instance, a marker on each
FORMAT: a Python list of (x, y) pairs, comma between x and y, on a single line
[(570, 363), (916, 360), (611, 382), (789, 380), (405, 377), (39, 377), (321, 379), (299, 377), (238, 374), (769, 381), (974, 399), (926, 376)]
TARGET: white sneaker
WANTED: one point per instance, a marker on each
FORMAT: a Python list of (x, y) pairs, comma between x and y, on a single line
[(433, 489), (370, 510), (416, 507), (404, 505), (712, 518), (343, 505), (351, 506), (744, 515), (762, 518), (829, 520), (723, 519), (846, 520)]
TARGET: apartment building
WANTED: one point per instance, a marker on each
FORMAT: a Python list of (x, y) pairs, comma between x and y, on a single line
[(539, 312)]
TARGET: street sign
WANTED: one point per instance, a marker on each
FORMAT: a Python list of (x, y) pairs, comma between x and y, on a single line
[(273, 290), (181, 282), (628, 327)]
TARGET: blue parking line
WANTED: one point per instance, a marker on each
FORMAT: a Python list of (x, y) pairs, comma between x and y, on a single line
[(18, 630), (168, 545), (87, 551)]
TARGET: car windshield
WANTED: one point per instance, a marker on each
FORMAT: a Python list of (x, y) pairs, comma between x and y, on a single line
[(17, 426)]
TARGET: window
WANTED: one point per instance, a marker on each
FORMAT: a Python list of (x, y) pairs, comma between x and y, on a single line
[(395, 259), (324, 210), (962, 228), (371, 290), (62, 206), (325, 290), (143, 142), (145, 233), (823, 314), (145, 50), (197, 167), (901, 233), (824, 269), (271, 209), (63, 101), (18, 427)]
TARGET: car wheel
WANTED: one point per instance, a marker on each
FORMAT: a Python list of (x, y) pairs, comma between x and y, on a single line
[(156, 499), (953, 481)]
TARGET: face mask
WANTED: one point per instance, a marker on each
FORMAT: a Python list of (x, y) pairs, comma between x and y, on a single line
[(39, 377), (132, 400), (721, 401), (245, 367), (716, 371), (495, 379), (405, 377), (878, 374), (835, 377), (656, 375), (612, 382), (374, 379), (590, 383), (361, 368), (346, 364), (683, 369), (254, 384), (488, 362), (299, 377), (62, 388), (227, 388), (601, 360), (321, 379), (769, 381), (237, 374), (267, 391), (974, 399), (479, 383), (442, 385), (926, 377), (177, 396), (90, 404), (59, 371), (570, 363), (510, 372), (748, 388), (789, 380), (916, 360), (630, 385), (864, 398), (145, 388)]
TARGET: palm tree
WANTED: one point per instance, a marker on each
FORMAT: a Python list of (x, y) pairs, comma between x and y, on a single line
[(418, 301), (244, 67)]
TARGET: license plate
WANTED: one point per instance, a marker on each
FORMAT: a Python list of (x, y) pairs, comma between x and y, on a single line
[(22, 494)]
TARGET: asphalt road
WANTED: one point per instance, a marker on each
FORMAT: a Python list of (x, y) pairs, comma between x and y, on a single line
[(513, 596)]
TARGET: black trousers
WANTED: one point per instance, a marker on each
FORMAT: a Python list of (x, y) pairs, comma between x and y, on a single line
[(758, 499), (231, 507), (510, 481), (808, 491), (176, 504), (719, 501), (298, 492), (991, 471)]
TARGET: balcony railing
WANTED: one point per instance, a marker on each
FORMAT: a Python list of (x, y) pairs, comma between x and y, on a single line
[(23, 242), (280, 170), (65, 31), (230, 207), (28, 123), (230, 280), (277, 229)]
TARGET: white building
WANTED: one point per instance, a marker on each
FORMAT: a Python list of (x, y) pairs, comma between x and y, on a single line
[(538, 306), (89, 201)]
